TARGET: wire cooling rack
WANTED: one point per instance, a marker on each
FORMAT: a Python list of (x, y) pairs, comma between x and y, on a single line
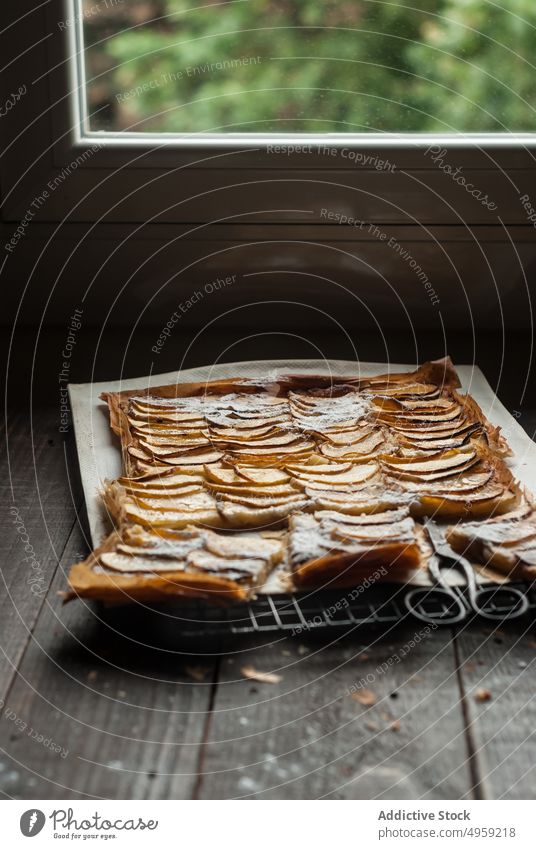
[(301, 613)]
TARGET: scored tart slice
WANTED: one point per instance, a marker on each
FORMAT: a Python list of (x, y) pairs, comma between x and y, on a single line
[(337, 549), (139, 565), (460, 483), (506, 543), (173, 499)]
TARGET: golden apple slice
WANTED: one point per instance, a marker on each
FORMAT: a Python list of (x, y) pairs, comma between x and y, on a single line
[(244, 435), (191, 457), (318, 468), (362, 519), (350, 437), (263, 477), (439, 463), (146, 426), (177, 439), (194, 501), (180, 414), (402, 408), (277, 440), (167, 476), (364, 447), (130, 563), (261, 501), (249, 488), (205, 561), (138, 454), (427, 403), (405, 390), (244, 545), (221, 474), (462, 483), (427, 435), (434, 446), (299, 447), (355, 508), (356, 475), (163, 494), (471, 506), (426, 478), (175, 449), (172, 519), (370, 533), (398, 418), (236, 515)]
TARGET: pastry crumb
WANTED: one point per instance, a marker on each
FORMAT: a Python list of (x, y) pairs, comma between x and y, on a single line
[(262, 677)]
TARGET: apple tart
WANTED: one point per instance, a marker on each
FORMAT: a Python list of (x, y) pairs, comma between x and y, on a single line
[(323, 477)]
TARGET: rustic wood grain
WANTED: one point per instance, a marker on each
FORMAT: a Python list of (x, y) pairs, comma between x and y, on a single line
[(307, 737), (39, 500), (498, 666), (131, 717)]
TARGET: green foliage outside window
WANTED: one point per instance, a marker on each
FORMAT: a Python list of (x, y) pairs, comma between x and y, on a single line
[(312, 66)]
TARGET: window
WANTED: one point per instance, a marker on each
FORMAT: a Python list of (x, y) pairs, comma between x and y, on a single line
[(304, 66)]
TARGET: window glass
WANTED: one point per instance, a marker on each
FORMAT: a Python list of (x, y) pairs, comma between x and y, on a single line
[(309, 66)]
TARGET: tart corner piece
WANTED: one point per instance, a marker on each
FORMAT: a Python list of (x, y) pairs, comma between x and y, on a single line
[(141, 565)]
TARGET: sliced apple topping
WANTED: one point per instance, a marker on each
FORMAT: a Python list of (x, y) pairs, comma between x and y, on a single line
[(172, 518), (350, 436), (263, 477), (388, 516), (200, 457), (195, 561), (404, 389), (454, 483), (363, 448), (240, 516), (417, 466), (239, 545), (323, 475), (261, 501), (326, 412), (198, 500), (367, 501)]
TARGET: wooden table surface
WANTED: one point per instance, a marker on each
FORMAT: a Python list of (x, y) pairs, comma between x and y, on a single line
[(87, 712)]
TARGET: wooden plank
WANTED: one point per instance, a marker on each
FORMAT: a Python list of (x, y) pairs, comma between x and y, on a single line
[(501, 661), (34, 527), (307, 737), (127, 719)]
